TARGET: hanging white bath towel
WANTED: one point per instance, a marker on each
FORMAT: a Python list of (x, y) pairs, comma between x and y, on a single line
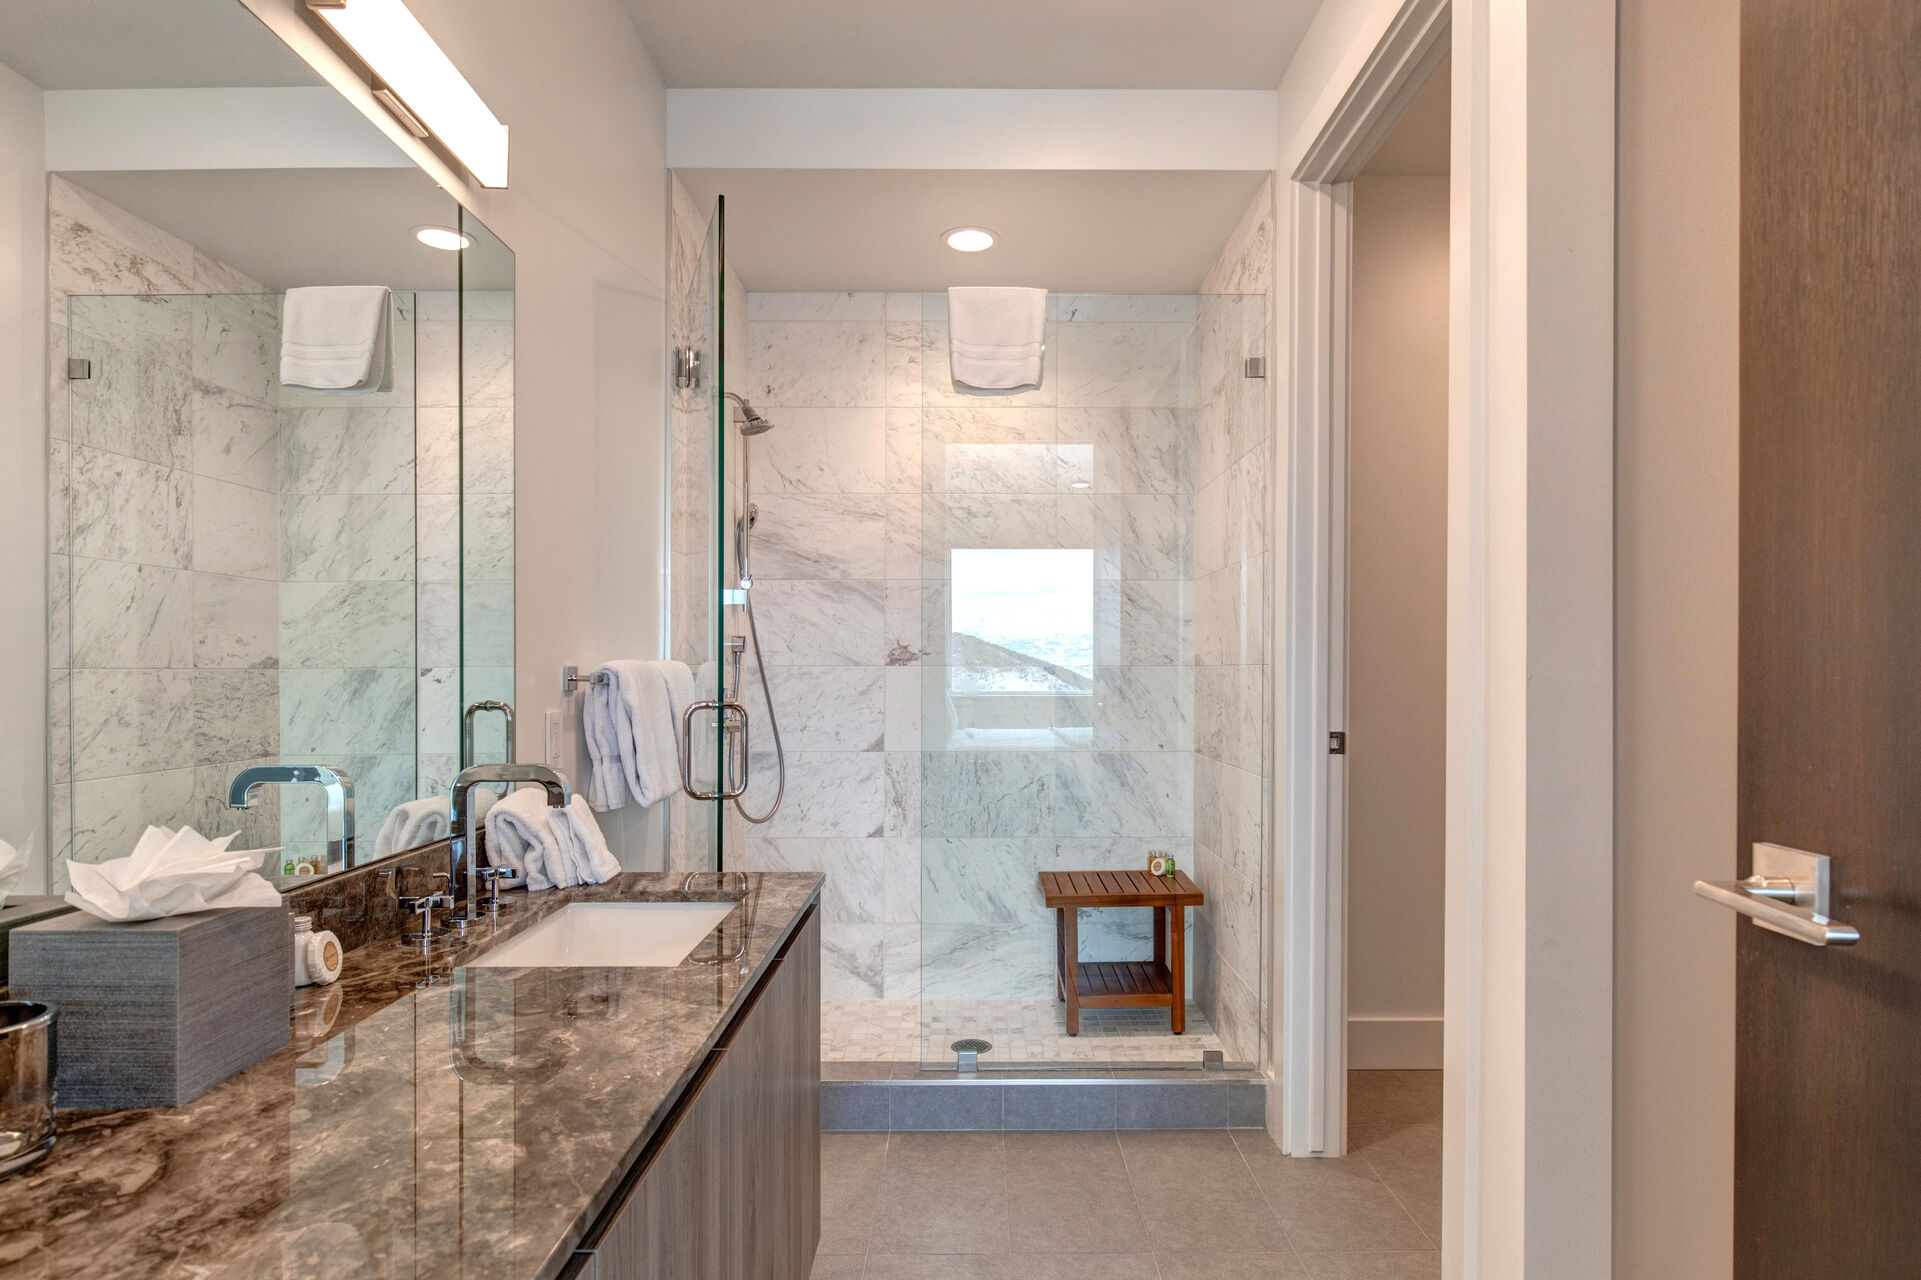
[(632, 719), (996, 338)]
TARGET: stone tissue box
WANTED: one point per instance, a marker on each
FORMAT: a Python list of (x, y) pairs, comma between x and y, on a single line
[(155, 1013)]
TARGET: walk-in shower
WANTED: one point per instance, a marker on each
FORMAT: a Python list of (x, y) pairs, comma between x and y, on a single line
[(1012, 635)]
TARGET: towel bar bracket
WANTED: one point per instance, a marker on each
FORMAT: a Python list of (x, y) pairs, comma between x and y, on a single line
[(571, 679)]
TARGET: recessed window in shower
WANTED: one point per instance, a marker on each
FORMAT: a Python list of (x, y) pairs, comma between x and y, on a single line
[(1020, 668)]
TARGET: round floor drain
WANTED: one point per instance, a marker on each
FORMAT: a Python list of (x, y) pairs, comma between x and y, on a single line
[(972, 1046)]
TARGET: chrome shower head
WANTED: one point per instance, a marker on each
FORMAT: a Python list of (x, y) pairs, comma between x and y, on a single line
[(751, 423)]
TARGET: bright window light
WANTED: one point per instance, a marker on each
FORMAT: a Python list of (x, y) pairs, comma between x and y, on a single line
[(392, 42), (970, 239)]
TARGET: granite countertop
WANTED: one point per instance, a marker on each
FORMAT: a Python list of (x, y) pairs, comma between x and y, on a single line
[(428, 1121)]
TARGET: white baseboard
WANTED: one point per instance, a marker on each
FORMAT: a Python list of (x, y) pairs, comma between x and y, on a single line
[(1394, 1044)]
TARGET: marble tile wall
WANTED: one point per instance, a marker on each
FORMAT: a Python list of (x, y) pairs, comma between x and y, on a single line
[(1232, 767), (164, 543)]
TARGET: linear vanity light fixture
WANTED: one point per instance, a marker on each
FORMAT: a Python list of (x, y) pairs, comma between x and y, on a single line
[(419, 83)]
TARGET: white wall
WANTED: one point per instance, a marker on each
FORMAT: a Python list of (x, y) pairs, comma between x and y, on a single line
[(1397, 622), (23, 482), (1678, 447), (586, 216)]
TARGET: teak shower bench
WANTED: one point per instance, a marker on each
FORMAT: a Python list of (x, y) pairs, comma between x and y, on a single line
[(1157, 983)]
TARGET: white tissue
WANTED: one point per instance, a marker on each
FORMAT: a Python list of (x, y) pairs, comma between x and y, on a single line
[(170, 873), (13, 865)]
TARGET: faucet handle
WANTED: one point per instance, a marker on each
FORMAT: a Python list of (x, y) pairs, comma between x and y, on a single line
[(490, 878), (423, 905)]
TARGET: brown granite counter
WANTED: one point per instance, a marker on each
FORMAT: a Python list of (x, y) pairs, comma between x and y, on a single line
[(429, 1120)]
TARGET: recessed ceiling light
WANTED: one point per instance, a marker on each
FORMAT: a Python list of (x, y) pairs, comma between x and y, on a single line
[(442, 238), (969, 239)]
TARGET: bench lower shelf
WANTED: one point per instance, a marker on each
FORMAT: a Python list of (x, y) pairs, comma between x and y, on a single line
[(1124, 985)]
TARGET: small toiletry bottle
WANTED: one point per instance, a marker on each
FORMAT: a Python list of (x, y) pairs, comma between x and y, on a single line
[(316, 956)]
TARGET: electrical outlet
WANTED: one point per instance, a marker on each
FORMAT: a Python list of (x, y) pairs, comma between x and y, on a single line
[(556, 740)]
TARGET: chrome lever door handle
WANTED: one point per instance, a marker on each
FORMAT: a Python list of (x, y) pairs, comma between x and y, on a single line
[(1788, 893)]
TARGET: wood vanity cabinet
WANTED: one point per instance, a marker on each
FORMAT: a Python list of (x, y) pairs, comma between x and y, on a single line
[(730, 1188)]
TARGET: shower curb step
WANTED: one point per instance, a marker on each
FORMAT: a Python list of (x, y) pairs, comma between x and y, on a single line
[(947, 1100)]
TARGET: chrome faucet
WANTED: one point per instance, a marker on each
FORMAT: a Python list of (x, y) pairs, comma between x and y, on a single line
[(331, 779), (466, 846)]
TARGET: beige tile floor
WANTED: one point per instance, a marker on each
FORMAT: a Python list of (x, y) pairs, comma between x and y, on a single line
[(1022, 1032), (1215, 1204)]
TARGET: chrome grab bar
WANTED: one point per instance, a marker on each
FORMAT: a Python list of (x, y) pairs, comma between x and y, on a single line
[(731, 717), (1789, 893)]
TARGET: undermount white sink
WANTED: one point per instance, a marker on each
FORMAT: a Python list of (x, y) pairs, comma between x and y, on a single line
[(610, 935)]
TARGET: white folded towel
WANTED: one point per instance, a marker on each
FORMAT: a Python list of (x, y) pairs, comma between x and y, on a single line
[(335, 338), (414, 823), (550, 848), (632, 718), (995, 337)]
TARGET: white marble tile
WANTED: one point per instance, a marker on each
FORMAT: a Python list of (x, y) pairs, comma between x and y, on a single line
[(369, 711), (59, 610), (1126, 364), (487, 549), (235, 622), (236, 344), (346, 624), (236, 530), (236, 715), (1163, 308), (983, 881), (985, 521), (438, 709), (93, 246), (436, 364), (902, 794), (211, 275), (1133, 535), (901, 879), (828, 794), (234, 438), (903, 695), (129, 615), (816, 536), (1144, 708), (337, 538), (1245, 516), (1233, 907), (487, 363), (437, 614), (816, 364), (436, 553), (900, 960), (904, 378), (1127, 450), (1246, 261), (1143, 622), (811, 624), (1240, 838), (851, 963), (987, 793), (109, 814), (903, 474), (1123, 793), (814, 450), (347, 451), (59, 392), (131, 721), (853, 893), (823, 708), (136, 403), (125, 509), (489, 622), (437, 451), (1209, 545), (816, 306)]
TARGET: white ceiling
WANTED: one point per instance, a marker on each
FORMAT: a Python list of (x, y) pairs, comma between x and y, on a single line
[(1079, 231), (289, 227), (1418, 145), (145, 44), (984, 44)]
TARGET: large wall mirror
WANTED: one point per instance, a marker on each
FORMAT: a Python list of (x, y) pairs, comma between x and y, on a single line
[(253, 578)]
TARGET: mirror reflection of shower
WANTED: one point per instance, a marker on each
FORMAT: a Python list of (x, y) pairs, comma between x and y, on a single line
[(752, 424)]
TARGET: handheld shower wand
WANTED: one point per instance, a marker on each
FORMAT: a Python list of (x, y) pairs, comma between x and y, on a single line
[(752, 424)]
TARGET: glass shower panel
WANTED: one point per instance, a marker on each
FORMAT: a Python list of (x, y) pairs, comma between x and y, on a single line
[(1072, 549), (700, 565)]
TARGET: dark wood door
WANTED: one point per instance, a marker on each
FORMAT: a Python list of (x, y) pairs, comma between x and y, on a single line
[(1828, 1076)]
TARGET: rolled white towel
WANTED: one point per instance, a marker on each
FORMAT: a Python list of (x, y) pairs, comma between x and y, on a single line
[(632, 720), (413, 824), (584, 855), (521, 835)]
